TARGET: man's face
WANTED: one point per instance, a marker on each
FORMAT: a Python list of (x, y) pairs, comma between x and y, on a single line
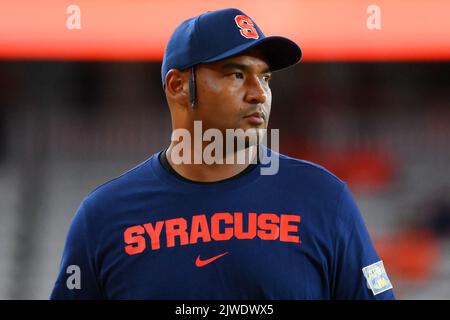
[(234, 93)]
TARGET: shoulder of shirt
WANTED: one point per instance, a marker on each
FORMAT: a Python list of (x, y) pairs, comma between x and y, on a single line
[(293, 164), (331, 187)]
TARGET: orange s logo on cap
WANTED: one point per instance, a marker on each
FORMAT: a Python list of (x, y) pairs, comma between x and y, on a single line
[(246, 27)]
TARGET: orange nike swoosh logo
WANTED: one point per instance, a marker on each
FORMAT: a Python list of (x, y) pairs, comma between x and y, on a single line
[(201, 263)]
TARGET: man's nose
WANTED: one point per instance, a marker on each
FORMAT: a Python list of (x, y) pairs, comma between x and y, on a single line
[(256, 92)]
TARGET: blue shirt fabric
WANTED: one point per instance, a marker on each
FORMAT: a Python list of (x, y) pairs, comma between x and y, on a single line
[(324, 248)]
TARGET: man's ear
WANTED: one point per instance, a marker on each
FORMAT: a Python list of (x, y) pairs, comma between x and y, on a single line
[(177, 86)]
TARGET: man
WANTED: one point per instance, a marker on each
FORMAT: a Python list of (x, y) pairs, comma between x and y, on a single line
[(177, 228)]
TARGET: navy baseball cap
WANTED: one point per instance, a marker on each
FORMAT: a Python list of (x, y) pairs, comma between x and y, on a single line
[(217, 35)]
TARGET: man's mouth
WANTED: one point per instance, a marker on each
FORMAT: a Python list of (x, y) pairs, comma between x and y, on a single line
[(256, 118)]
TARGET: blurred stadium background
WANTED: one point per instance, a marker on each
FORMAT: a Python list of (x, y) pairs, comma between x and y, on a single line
[(68, 124)]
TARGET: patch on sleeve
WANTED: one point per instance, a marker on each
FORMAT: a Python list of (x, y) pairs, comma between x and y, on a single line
[(377, 279)]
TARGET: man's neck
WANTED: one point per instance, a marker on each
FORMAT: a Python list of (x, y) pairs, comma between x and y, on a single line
[(213, 172)]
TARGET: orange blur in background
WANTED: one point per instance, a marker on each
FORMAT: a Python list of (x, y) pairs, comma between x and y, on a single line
[(327, 30)]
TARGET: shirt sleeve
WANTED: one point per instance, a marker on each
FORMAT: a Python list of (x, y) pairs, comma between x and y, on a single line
[(77, 278), (358, 271)]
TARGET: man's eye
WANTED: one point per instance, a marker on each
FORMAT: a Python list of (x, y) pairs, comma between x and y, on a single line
[(238, 75), (267, 78)]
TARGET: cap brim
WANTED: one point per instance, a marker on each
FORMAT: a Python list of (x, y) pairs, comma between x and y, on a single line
[(279, 51)]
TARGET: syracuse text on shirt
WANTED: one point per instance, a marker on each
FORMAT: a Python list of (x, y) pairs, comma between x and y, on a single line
[(265, 226)]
